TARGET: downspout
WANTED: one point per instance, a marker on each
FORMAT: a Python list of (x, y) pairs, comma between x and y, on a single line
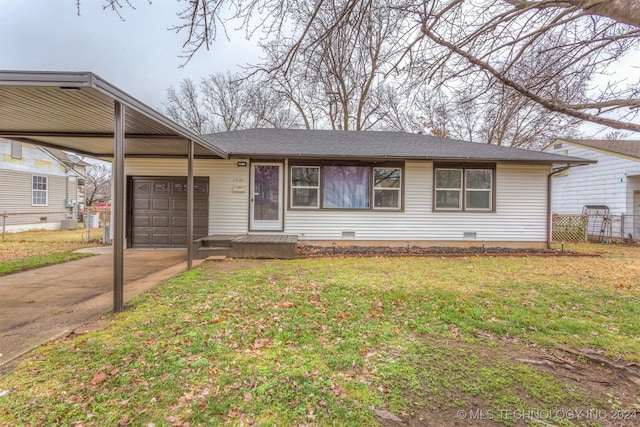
[(549, 177)]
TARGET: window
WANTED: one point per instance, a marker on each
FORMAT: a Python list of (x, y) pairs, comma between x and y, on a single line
[(346, 187), (305, 186), (39, 191), (449, 189), (467, 188), (16, 149), (386, 188), (477, 192)]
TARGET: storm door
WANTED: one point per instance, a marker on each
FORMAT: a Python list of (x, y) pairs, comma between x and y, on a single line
[(266, 197)]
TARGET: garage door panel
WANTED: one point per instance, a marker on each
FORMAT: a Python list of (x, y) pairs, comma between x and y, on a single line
[(179, 239), (159, 211), (160, 221), (179, 221), (160, 239), (141, 221), (141, 204), (201, 222), (141, 238), (160, 204), (179, 205)]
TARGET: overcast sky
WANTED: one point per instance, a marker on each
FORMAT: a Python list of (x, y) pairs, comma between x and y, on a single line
[(138, 55)]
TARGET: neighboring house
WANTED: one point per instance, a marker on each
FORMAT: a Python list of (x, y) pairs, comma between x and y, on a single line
[(614, 181), (40, 187), (339, 187)]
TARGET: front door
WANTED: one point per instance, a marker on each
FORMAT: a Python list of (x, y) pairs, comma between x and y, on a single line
[(266, 197)]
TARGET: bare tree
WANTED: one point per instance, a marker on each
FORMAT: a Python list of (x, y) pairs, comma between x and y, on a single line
[(446, 42), (501, 38), (98, 182), (334, 81), (451, 39), (226, 102), (186, 107)]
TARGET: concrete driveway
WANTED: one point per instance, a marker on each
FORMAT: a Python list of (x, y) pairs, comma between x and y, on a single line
[(42, 304)]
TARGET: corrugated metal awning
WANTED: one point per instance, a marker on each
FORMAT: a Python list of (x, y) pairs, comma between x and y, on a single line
[(74, 111)]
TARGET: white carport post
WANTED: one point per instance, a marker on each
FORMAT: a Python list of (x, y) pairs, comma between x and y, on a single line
[(118, 208), (190, 192)]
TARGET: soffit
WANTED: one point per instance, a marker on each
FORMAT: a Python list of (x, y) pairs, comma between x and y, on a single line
[(75, 112)]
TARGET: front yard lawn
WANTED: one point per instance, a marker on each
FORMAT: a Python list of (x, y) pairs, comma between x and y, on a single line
[(355, 341), (35, 249)]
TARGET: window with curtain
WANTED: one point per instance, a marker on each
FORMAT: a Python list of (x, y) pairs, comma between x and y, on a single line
[(346, 187), (359, 186)]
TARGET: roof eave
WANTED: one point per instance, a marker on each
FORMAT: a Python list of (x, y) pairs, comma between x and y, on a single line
[(573, 161)]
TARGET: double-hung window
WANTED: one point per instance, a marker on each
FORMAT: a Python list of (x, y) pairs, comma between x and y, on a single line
[(386, 188), (39, 190), (463, 188), (305, 186)]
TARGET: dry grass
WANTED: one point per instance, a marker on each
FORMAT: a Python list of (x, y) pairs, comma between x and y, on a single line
[(34, 249), (436, 341)]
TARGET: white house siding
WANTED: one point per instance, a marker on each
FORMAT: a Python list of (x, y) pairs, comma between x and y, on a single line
[(610, 182), (520, 213), (520, 206), (16, 189), (228, 187)]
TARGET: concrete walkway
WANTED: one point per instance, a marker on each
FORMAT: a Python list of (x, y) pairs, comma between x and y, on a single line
[(46, 303)]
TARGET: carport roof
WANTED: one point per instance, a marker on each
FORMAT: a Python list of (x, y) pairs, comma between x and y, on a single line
[(74, 111)]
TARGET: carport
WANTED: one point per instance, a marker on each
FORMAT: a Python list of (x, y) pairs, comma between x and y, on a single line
[(82, 113)]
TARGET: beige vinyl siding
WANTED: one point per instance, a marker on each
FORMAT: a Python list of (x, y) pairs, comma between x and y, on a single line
[(15, 198), (228, 205), (520, 212)]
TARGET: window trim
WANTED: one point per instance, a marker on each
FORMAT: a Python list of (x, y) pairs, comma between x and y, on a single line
[(39, 191), (463, 167), (321, 164)]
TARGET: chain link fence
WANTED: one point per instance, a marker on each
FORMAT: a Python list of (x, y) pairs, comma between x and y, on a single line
[(12, 222)]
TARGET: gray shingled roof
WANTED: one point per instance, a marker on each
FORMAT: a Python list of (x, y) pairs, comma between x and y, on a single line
[(331, 144), (627, 147)]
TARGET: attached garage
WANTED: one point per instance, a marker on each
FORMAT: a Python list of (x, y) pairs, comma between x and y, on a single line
[(158, 211)]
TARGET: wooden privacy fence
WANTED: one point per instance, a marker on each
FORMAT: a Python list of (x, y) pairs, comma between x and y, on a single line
[(569, 228)]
